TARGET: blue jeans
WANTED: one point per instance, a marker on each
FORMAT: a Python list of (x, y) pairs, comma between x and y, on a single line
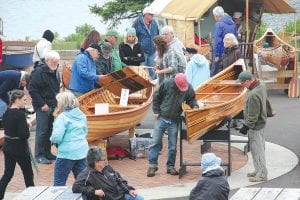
[(63, 167), (129, 197), (44, 121), (149, 61), (161, 125), (3, 107)]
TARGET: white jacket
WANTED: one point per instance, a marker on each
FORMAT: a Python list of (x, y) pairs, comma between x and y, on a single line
[(41, 48)]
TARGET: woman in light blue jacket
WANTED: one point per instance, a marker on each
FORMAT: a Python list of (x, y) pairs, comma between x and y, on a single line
[(197, 69), (69, 135)]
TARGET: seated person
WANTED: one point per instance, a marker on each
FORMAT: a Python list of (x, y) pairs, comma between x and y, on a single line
[(105, 63), (100, 181), (213, 184)]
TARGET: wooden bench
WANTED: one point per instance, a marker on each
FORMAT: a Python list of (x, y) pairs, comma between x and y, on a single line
[(48, 193), (267, 194)]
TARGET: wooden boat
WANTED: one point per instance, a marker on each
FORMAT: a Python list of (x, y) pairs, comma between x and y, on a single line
[(17, 54), (273, 49), (119, 118), (218, 97)]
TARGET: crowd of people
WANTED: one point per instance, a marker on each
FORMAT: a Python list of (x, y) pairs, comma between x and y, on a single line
[(60, 122)]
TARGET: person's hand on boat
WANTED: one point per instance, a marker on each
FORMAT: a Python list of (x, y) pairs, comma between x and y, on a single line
[(102, 79), (45, 108), (156, 116), (244, 129)]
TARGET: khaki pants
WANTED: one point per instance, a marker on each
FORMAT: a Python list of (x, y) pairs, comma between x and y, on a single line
[(257, 148)]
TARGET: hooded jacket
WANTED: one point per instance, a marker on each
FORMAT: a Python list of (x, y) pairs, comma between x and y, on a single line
[(145, 35), (83, 76), (222, 27), (90, 180), (69, 133), (197, 70), (212, 186)]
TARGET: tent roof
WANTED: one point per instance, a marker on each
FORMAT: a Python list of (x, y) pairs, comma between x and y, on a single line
[(177, 9), (278, 6), (192, 9)]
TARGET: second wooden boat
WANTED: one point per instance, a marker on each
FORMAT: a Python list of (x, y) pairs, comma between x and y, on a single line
[(17, 54), (118, 118), (218, 97)]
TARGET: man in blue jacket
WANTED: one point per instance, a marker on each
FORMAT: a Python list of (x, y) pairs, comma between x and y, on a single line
[(83, 76), (224, 24), (11, 80), (146, 29)]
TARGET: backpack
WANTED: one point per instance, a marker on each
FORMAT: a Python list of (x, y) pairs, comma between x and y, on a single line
[(139, 147)]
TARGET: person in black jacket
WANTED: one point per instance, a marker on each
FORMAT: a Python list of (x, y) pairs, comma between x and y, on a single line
[(130, 50), (213, 185), (15, 148), (100, 181), (43, 88), (11, 80), (231, 52)]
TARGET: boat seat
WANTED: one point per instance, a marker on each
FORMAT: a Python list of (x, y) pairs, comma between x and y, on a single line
[(116, 106), (217, 93)]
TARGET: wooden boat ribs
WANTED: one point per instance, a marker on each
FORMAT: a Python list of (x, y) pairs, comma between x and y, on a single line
[(217, 98)]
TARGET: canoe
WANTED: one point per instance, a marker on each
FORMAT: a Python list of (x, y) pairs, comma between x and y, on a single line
[(17, 54), (218, 97), (118, 118), (273, 49)]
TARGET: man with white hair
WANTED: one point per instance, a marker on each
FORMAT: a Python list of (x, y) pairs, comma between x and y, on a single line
[(169, 36), (224, 24), (43, 87), (146, 29)]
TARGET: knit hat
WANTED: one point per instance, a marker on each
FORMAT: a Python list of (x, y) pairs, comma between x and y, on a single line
[(106, 47), (210, 161), (48, 35), (181, 82), (149, 10), (112, 32), (94, 154), (130, 31), (244, 76), (95, 46)]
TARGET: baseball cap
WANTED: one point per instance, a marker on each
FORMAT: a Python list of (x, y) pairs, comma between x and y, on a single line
[(244, 76), (181, 82), (112, 32), (237, 15), (149, 10)]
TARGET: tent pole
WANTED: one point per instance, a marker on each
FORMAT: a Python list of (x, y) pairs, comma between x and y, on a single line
[(199, 32), (247, 20)]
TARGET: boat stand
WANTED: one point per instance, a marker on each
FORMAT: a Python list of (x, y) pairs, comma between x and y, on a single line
[(219, 134)]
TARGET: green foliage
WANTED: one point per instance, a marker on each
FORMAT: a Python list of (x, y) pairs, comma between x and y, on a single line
[(290, 27), (80, 33), (115, 10), (63, 45), (261, 30)]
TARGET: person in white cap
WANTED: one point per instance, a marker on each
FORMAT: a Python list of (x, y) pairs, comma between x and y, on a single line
[(238, 18), (167, 109), (146, 29), (214, 184)]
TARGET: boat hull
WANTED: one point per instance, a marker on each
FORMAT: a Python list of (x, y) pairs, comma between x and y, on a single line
[(217, 98), (118, 118), (17, 54)]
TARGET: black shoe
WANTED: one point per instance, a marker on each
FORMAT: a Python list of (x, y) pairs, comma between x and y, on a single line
[(172, 171), (51, 157), (43, 160)]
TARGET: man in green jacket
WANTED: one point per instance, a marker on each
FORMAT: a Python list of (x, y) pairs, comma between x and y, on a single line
[(167, 109), (255, 118), (111, 36)]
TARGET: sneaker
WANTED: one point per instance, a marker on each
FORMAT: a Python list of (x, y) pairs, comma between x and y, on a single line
[(151, 171), (251, 174), (51, 157), (43, 160), (257, 179), (172, 171)]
